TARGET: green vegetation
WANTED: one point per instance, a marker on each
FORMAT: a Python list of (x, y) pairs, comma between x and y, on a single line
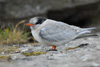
[(13, 35), (32, 53)]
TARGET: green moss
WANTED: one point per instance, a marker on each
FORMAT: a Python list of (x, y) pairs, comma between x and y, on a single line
[(5, 56), (71, 48), (32, 53)]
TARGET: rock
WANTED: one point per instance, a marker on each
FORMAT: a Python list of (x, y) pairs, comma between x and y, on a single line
[(69, 11), (88, 56), (24, 8)]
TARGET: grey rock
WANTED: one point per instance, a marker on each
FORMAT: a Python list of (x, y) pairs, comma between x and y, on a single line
[(88, 56)]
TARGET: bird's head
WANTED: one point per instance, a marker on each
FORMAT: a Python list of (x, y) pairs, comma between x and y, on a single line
[(36, 21)]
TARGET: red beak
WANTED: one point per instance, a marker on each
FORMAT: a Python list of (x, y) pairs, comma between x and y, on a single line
[(29, 24)]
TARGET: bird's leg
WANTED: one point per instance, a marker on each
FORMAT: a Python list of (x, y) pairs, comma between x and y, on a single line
[(53, 48)]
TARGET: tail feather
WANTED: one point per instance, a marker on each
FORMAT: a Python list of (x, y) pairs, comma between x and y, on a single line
[(86, 30), (86, 35), (92, 28)]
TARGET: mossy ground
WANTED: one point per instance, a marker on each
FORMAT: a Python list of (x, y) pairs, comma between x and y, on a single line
[(32, 53)]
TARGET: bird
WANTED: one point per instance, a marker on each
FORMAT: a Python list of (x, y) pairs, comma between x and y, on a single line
[(53, 33)]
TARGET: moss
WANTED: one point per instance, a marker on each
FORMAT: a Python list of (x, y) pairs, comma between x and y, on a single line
[(32, 53), (72, 48), (5, 56)]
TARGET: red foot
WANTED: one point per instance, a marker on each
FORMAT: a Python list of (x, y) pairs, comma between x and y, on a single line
[(53, 47)]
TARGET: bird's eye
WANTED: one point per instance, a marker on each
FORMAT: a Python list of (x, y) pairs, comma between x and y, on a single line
[(40, 20)]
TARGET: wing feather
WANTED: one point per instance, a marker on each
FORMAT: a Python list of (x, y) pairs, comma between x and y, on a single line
[(57, 31)]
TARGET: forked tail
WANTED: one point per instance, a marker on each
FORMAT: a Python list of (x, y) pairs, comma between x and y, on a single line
[(86, 32)]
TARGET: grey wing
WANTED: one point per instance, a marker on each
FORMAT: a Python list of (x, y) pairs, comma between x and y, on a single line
[(57, 32)]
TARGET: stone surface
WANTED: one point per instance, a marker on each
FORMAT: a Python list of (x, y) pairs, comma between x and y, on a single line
[(87, 56)]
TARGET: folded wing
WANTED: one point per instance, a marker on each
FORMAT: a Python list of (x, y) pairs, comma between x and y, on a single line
[(57, 31)]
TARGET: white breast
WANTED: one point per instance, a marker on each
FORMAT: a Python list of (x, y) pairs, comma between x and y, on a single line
[(37, 37)]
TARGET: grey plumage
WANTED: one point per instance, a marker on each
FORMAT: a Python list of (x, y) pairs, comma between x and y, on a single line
[(55, 32), (58, 31)]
